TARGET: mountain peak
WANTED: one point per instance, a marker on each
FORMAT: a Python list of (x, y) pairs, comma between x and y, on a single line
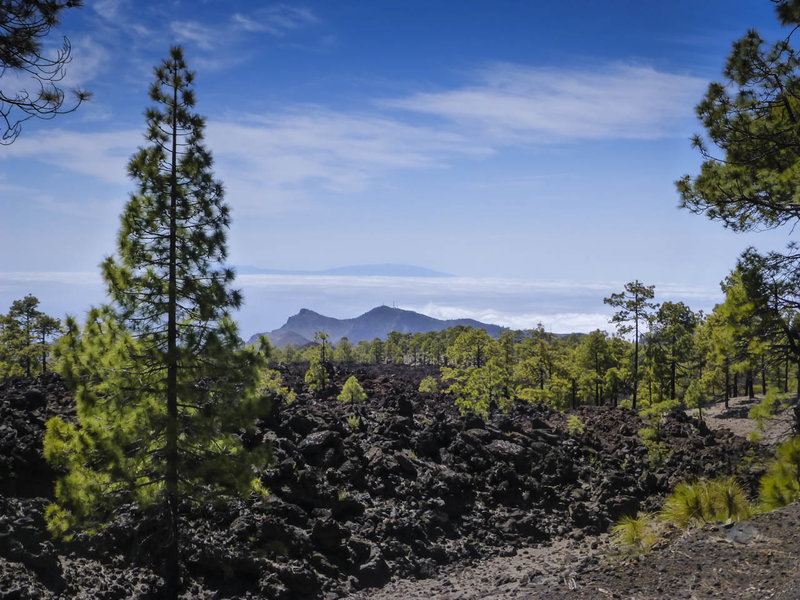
[(375, 323)]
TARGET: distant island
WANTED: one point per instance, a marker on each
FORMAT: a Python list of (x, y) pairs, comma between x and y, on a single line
[(376, 323), (377, 270)]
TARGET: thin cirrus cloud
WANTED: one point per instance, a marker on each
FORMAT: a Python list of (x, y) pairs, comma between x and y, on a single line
[(342, 151), (100, 155), (515, 104), (312, 146), (277, 20), (196, 33)]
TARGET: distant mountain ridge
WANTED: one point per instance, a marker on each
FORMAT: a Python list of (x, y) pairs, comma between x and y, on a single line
[(377, 270), (299, 329)]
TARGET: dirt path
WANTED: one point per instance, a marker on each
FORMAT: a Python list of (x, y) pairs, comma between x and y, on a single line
[(734, 419), (543, 567)]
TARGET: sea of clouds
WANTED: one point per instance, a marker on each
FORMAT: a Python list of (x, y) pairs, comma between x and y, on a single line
[(560, 306)]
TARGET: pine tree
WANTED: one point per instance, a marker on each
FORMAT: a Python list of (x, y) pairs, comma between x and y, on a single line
[(352, 391), (17, 343), (163, 382), (671, 336), (317, 377), (634, 309)]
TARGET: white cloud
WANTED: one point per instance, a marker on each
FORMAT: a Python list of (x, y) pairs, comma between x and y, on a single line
[(276, 20), (72, 278), (342, 152), (554, 322), (110, 10), (88, 59), (102, 155), (191, 31), (523, 104)]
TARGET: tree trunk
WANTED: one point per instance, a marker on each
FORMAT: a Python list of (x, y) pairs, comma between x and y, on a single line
[(171, 478), (786, 376), (596, 380), (763, 376), (44, 354), (672, 381), (727, 383), (735, 385), (636, 360), (27, 345), (798, 379)]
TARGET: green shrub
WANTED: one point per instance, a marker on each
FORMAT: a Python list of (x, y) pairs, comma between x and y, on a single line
[(657, 451), (574, 425), (635, 535), (317, 375), (685, 505), (352, 391), (271, 384), (729, 500), (764, 410), (781, 484), (354, 422), (755, 436), (429, 385), (654, 411), (706, 501), (648, 433)]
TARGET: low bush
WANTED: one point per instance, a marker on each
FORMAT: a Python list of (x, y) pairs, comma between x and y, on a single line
[(706, 501), (429, 385), (781, 484), (574, 425), (635, 535)]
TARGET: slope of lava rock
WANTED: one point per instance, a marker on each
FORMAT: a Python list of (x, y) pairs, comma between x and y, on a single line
[(397, 485)]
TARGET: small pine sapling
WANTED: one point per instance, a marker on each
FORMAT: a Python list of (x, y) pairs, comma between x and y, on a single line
[(352, 391), (575, 425), (635, 535)]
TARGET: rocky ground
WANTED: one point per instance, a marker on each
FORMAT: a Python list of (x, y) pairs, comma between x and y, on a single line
[(397, 489), (753, 560)]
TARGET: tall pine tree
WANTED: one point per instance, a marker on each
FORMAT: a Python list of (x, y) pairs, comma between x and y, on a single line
[(634, 309), (163, 383)]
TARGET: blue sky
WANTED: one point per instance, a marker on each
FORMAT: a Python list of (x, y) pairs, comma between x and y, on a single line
[(529, 148)]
